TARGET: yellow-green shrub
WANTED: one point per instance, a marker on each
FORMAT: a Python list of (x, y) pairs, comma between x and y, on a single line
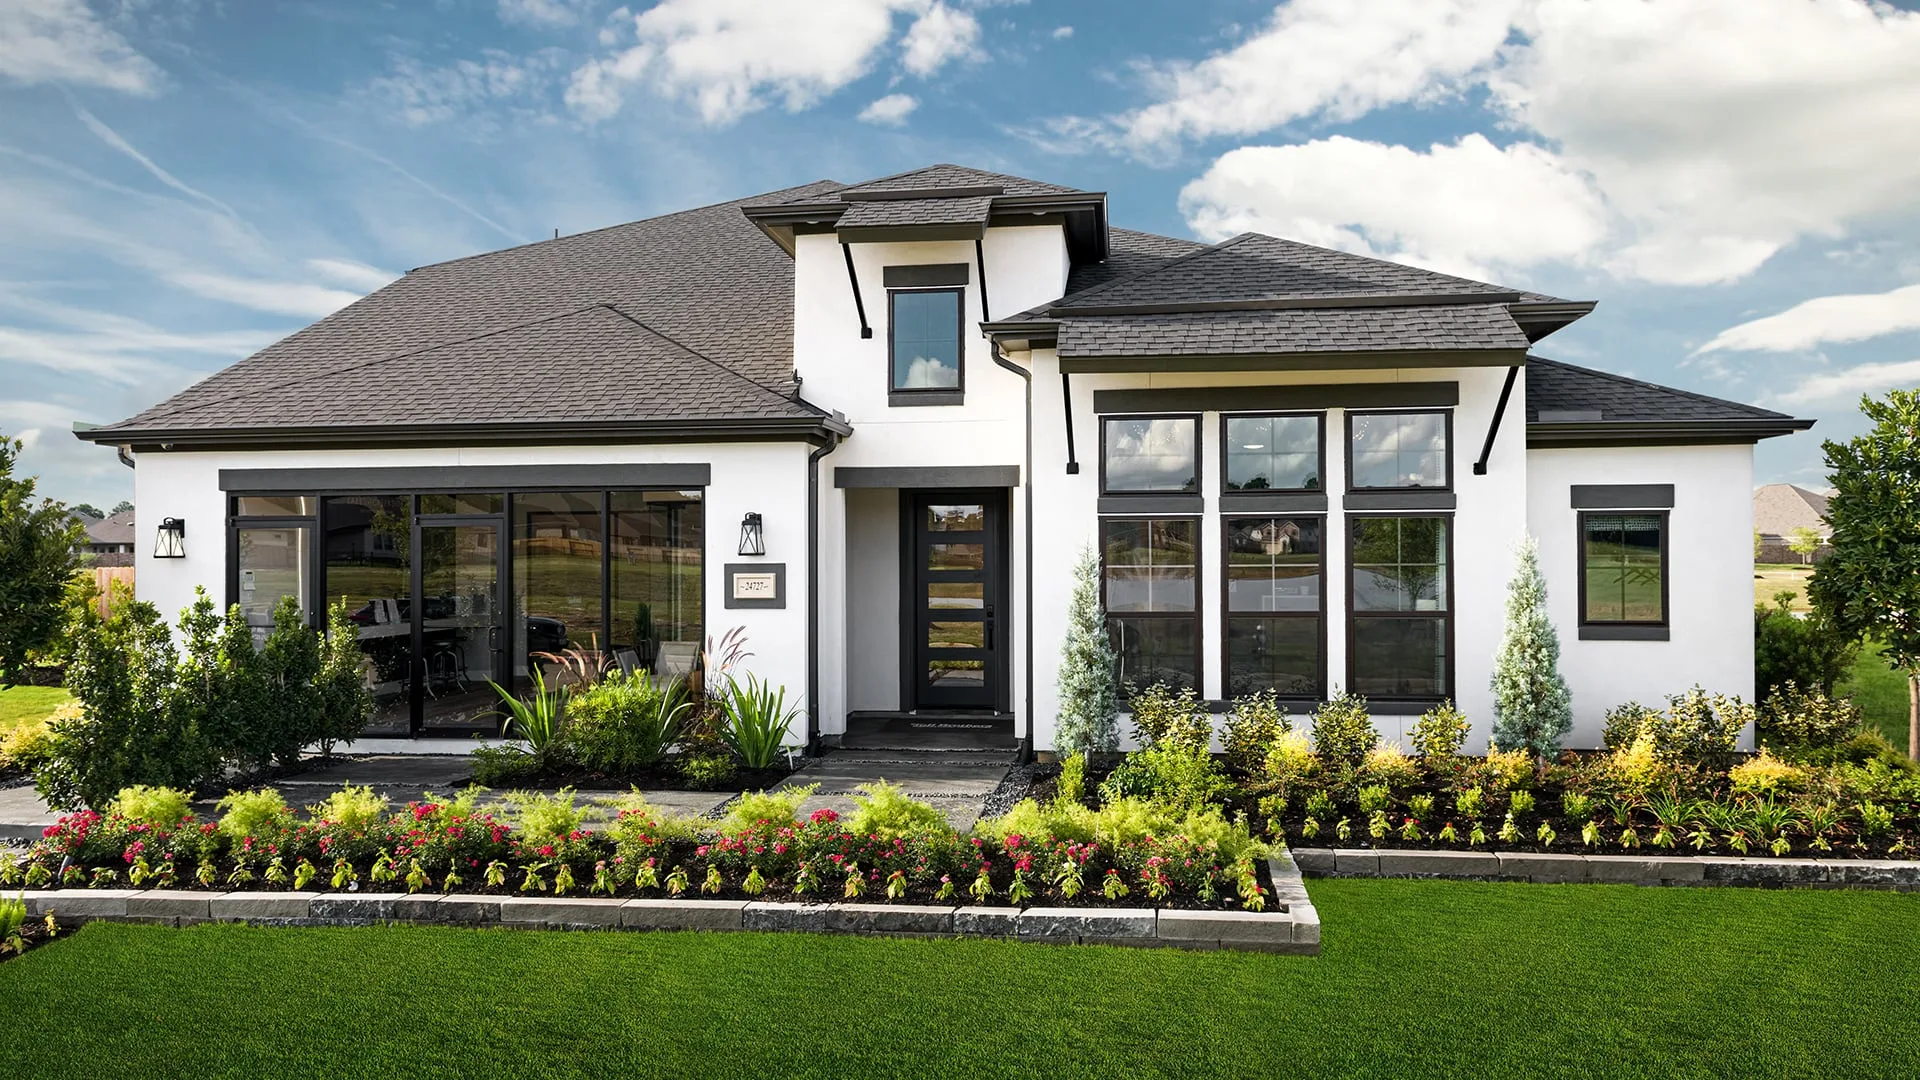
[(1389, 765), (351, 808), (1763, 774), (160, 807), (1637, 766), (1291, 758), (1509, 769), (885, 811), (776, 809)]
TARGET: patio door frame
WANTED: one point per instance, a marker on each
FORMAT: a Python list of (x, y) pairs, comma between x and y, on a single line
[(915, 616), (502, 612)]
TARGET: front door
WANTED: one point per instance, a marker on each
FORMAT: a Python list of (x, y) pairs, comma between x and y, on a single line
[(954, 586)]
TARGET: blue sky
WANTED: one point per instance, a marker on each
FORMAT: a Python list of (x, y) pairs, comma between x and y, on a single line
[(1736, 181)]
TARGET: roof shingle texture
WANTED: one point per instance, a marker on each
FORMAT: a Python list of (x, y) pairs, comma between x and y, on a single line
[(1567, 393), (1779, 509), (884, 212), (705, 278), (1294, 330), (958, 176)]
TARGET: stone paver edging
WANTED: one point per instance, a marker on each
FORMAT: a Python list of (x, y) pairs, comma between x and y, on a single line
[(1289, 925), (1561, 867)]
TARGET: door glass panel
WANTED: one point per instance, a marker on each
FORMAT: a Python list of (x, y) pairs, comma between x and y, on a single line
[(369, 560), (654, 560), (956, 635), (461, 503), (956, 518), (557, 548), (957, 674), (956, 556), (957, 594), (273, 563), (459, 621)]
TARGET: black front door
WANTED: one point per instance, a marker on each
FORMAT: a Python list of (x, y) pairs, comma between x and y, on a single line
[(954, 600)]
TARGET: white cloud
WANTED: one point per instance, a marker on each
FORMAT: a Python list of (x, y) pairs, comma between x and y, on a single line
[(1061, 33), (728, 58), (422, 95), (1461, 208), (112, 138), (544, 12), (937, 36), (351, 273), (1824, 319), (279, 297), (1850, 383), (1717, 131), (60, 41), (891, 110)]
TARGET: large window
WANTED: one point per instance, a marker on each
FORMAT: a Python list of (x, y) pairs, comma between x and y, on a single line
[(1274, 613), (655, 580), (1272, 453), (368, 551), (1150, 455), (925, 338), (558, 559), (1151, 593), (1400, 631), (1398, 451), (1623, 575)]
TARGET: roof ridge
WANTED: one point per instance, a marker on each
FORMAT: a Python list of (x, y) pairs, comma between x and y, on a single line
[(1168, 265), (1389, 263), (1631, 381), (697, 354)]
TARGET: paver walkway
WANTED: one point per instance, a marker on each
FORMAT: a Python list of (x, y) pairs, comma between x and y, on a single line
[(956, 783)]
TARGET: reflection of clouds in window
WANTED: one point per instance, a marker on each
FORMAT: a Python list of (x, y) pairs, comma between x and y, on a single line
[(1150, 455), (929, 372), (1273, 452), (1399, 450)]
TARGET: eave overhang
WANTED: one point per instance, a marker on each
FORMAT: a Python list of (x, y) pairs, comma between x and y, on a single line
[(818, 430), (1660, 432), (1322, 360), (1538, 319)]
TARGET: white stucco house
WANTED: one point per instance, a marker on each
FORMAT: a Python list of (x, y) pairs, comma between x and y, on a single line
[(874, 425)]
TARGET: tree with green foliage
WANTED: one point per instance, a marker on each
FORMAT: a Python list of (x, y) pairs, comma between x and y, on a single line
[(1089, 701), (120, 507), (1807, 652), (37, 545), (1804, 542), (88, 509), (1869, 585), (1531, 707)]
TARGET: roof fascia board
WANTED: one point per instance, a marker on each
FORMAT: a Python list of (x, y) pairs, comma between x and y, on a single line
[(891, 234), (518, 434), (1330, 360), (1660, 432), (1372, 300)]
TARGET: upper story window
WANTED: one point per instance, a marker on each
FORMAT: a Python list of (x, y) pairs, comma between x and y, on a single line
[(1157, 455), (1272, 453), (924, 346), (1399, 450)]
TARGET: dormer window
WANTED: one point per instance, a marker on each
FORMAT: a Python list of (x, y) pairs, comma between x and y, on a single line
[(925, 355)]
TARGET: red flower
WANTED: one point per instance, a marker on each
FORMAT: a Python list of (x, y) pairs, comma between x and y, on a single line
[(546, 849)]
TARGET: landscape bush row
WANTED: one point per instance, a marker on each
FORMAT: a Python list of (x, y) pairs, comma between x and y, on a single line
[(890, 848)]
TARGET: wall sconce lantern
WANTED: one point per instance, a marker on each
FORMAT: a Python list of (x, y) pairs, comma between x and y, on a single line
[(751, 540), (170, 541)]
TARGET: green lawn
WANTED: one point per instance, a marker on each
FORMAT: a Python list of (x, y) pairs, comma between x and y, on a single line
[(1881, 693), (1771, 578), (23, 703), (1419, 979)]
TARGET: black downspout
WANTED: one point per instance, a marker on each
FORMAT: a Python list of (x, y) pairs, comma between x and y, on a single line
[(980, 260), (1493, 429), (859, 305), (1066, 402), (1026, 481), (813, 589)]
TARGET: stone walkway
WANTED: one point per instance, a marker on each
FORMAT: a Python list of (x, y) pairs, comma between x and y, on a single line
[(956, 783)]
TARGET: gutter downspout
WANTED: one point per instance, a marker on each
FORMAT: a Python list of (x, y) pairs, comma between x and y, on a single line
[(1026, 482), (813, 590)]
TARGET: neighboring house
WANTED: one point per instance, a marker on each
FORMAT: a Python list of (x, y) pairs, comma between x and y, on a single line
[(874, 425), (109, 539), (1782, 510)]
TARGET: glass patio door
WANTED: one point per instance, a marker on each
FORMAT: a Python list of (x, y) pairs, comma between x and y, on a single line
[(460, 635)]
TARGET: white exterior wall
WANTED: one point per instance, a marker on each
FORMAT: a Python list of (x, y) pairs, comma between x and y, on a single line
[(770, 478), (841, 371), (1488, 522), (1709, 575)]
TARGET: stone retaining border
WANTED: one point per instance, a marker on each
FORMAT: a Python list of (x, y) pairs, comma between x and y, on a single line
[(1290, 925), (1563, 867)]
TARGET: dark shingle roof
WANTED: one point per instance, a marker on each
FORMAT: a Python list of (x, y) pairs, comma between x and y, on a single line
[(1579, 406), (705, 278), (1231, 333), (1129, 253), (886, 212), (956, 176), (112, 529)]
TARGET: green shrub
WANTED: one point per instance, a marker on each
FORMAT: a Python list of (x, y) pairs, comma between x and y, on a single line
[(1254, 724), (1622, 724), (1391, 766), (1699, 728), (536, 719), (1163, 716), (537, 815), (885, 811), (775, 808), (706, 772), (159, 807), (30, 745), (254, 813), (624, 723), (756, 721), (1291, 759), (345, 701), (1440, 732), (502, 766), (1173, 774), (1071, 787), (1343, 732), (1798, 721), (1807, 651), (353, 809)]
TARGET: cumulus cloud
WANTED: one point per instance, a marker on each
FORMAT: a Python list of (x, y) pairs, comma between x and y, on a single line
[(1824, 320), (62, 42), (1062, 33), (891, 110), (420, 94), (1716, 132), (1849, 383), (544, 12), (939, 35)]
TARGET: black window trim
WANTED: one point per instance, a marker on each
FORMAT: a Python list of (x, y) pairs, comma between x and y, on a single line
[(1591, 629), (1197, 615), (1450, 614), (1199, 477), (1227, 614), (1320, 419), (1351, 489), (904, 396)]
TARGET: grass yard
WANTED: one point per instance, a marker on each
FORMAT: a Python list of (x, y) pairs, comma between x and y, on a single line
[(1881, 693), (1419, 979), (23, 703), (1771, 578)]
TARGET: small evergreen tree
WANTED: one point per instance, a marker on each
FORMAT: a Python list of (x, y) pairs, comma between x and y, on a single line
[(1089, 703), (1531, 707)]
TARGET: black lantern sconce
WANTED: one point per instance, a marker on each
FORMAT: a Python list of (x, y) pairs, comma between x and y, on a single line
[(752, 541), (170, 541)]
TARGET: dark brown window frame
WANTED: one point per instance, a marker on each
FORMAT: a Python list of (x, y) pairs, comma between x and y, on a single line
[(1197, 615), (1199, 479), (1320, 419), (1449, 615), (1624, 629), (929, 395), (1352, 489), (1227, 614)]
